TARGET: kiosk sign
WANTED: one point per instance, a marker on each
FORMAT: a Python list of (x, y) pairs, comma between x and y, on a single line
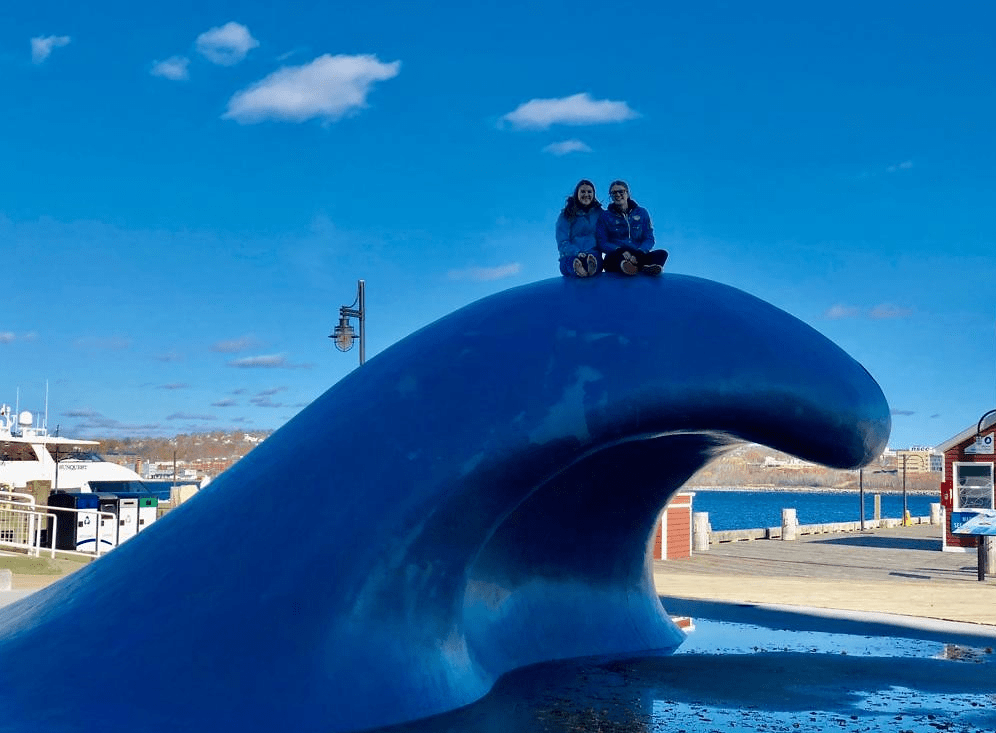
[(983, 445), (981, 522)]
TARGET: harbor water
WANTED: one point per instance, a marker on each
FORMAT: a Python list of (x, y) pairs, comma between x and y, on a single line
[(736, 509)]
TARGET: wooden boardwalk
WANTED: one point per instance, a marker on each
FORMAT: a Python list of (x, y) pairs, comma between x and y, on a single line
[(899, 570)]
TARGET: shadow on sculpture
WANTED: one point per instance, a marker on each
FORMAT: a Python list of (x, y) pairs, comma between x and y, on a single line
[(477, 498)]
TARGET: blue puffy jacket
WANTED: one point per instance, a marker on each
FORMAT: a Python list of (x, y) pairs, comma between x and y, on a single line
[(578, 234), (632, 229)]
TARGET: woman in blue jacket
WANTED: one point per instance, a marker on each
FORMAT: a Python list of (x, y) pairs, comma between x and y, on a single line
[(576, 233), (625, 235)]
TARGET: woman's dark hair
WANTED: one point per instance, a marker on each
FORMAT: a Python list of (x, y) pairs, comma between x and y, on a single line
[(574, 207)]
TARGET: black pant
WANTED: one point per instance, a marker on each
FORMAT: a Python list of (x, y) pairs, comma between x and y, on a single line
[(653, 257)]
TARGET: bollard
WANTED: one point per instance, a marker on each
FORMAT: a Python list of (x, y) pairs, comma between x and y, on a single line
[(789, 524), (6, 579), (700, 531), (935, 514), (987, 557), (878, 506)]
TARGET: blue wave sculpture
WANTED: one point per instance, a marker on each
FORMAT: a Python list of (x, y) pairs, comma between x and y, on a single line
[(477, 498)]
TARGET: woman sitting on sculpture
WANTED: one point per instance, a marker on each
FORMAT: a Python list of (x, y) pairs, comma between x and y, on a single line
[(579, 256), (625, 236)]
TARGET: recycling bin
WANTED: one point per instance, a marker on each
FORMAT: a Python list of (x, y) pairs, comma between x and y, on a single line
[(75, 530), (108, 526), (127, 518), (148, 507)]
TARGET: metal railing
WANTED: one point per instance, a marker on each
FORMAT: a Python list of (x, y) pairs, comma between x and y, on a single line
[(34, 529)]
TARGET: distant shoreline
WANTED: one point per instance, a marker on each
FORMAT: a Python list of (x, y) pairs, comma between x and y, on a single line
[(810, 490)]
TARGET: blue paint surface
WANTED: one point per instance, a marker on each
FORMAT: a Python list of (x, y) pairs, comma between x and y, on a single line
[(475, 499)]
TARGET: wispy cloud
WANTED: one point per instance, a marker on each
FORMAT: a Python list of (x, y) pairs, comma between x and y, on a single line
[(227, 402), (82, 412), (7, 337), (904, 166), (233, 346), (889, 310), (169, 356), (903, 413), (329, 88), (91, 420), (190, 416), (839, 311), (271, 361), (486, 273), (567, 146), (578, 109), (265, 401), (41, 46), (879, 312), (174, 385), (226, 45), (175, 68)]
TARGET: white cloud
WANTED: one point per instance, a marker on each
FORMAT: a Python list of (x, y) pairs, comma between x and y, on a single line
[(6, 337), (889, 310), (839, 311), (175, 68), (190, 416), (879, 312), (330, 87), (567, 146), (486, 273), (268, 361), (904, 166), (579, 109), (41, 46), (226, 45)]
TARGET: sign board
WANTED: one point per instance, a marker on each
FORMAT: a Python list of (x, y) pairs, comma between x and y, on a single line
[(983, 444), (981, 522)]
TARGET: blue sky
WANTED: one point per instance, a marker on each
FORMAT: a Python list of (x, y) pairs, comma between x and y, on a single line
[(189, 191)]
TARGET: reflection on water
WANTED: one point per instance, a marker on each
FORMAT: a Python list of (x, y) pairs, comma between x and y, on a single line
[(740, 677)]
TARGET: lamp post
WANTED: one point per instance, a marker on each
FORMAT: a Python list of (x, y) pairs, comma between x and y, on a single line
[(343, 334), (905, 510)]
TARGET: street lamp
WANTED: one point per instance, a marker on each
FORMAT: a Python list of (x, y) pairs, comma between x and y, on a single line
[(343, 334)]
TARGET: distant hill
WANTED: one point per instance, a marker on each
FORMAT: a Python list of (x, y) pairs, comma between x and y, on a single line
[(748, 465), (216, 450)]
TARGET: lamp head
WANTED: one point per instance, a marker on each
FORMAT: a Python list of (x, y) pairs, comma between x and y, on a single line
[(343, 335)]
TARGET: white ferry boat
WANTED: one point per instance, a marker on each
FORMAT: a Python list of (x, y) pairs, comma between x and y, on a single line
[(29, 453)]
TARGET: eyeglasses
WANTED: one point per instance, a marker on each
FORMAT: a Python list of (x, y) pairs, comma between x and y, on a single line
[(617, 192)]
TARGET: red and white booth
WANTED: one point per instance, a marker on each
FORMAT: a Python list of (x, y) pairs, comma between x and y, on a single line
[(967, 485)]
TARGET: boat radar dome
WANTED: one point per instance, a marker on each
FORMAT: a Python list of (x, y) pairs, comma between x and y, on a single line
[(25, 419)]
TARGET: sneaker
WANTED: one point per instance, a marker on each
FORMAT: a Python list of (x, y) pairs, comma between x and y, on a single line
[(627, 266), (579, 267), (653, 269), (592, 265)]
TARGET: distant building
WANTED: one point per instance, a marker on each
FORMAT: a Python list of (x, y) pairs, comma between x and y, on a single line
[(919, 460)]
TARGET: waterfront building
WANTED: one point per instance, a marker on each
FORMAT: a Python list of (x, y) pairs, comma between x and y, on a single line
[(967, 483)]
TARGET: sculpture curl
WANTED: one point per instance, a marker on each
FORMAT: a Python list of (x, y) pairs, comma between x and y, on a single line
[(474, 499)]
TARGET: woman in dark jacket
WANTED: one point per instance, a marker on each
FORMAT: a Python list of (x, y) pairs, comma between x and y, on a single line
[(625, 235), (576, 233)]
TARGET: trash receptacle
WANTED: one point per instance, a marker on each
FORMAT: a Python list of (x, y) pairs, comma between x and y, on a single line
[(148, 507), (127, 518), (108, 526), (75, 530)]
